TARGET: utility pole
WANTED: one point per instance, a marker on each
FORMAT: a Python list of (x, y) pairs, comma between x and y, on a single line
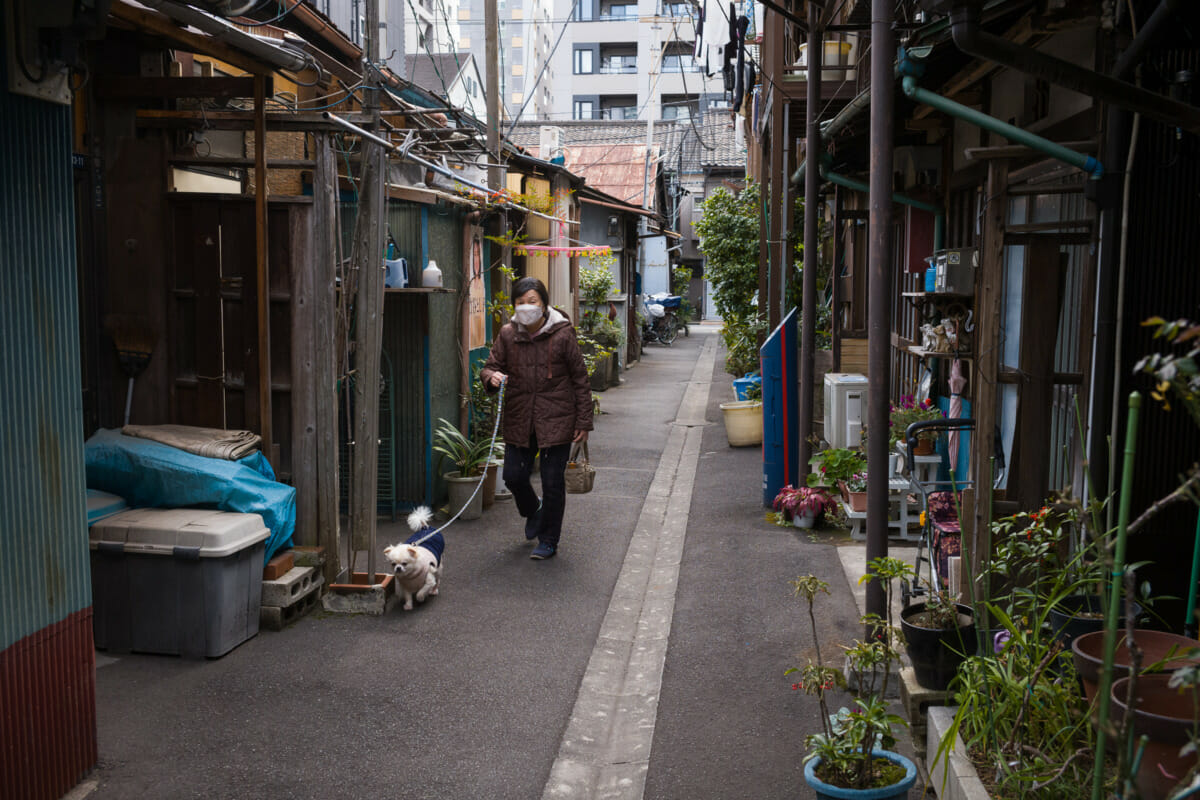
[(499, 219), (879, 288), (368, 261)]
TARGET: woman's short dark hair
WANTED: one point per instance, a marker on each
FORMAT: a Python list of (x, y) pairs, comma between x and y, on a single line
[(523, 285)]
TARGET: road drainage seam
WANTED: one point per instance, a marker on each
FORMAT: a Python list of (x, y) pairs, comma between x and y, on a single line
[(605, 750)]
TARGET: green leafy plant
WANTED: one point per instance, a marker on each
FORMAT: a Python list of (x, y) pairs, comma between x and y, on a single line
[(740, 334), (835, 464), (471, 457), (906, 413), (1175, 372), (729, 230), (848, 737)]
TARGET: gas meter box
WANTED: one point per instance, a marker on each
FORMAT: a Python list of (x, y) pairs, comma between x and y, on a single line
[(955, 270)]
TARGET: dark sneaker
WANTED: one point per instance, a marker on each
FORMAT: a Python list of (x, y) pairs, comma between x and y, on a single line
[(533, 523), (543, 551)]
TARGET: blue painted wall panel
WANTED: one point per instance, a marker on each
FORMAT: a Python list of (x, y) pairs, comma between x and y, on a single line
[(44, 565)]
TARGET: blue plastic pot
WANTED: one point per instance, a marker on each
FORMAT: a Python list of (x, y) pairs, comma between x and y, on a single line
[(897, 791)]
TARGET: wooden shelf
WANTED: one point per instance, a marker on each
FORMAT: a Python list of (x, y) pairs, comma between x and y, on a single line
[(932, 295), (921, 352)]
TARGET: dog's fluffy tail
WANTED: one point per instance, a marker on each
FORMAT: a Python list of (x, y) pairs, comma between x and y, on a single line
[(420, 518)]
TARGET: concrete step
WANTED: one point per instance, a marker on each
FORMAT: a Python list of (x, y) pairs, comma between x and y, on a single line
[(293, 585)]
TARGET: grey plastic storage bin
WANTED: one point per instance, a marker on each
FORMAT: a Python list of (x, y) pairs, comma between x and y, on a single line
[(180, 581)]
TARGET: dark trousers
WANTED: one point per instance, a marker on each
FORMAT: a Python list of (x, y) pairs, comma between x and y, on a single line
[(518, 466)]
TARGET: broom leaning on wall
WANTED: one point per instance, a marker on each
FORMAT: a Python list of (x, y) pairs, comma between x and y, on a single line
[(135, 340)]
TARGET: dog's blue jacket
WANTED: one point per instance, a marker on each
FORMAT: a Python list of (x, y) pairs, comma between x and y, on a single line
[(434, 544)]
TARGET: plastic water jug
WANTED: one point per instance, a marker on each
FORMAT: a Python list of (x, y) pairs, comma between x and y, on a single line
[(431, 276)]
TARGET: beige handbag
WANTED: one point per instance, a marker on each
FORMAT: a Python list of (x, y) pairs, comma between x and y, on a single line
[(580, 475)]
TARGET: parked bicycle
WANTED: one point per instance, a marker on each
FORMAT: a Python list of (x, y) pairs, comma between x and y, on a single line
[(661, 323)]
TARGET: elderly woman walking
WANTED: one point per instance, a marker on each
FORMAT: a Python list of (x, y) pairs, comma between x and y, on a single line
[(547, 406)]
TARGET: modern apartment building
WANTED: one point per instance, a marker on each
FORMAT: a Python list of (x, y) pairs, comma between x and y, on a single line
[(350, 17), (631, 59), (527, 33)]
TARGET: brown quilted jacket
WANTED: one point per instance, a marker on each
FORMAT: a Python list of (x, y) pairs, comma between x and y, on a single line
[(548, 392)]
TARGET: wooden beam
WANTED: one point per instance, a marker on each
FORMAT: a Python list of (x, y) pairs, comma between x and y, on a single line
[(241, 163), (118, 87), (1020, 33), (192, 42), (1040, 306), (237, 120), (1021, 151), (989, 293), (324, 370), (261, 270)]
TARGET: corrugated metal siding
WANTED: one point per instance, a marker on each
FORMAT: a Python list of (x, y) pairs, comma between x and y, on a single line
[(1162, 279), (47, 676), (424, 356)]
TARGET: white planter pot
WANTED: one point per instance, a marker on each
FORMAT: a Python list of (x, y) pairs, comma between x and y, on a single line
[(804, 520), (460, 489), (743, 422)]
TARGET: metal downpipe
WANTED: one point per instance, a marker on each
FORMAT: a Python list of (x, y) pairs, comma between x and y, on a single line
[(812, 189), (939, 215), (1011, 132), (964, 26)]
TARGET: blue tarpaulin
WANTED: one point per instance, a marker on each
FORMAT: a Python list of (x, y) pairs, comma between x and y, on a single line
[(153, 475)]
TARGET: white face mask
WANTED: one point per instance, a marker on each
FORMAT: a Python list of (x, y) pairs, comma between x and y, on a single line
[(527, 314)]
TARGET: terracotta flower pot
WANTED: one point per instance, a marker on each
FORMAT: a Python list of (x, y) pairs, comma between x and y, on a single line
[(1165, 716), (1088, 654), (924, 447)]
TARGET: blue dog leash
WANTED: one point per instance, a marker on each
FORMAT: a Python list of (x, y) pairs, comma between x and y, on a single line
[(491, 448)]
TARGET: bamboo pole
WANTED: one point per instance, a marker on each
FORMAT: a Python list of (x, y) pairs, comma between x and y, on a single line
[(1114, 602)]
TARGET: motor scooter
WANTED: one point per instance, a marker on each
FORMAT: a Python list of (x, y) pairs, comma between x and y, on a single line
[(659, 322)]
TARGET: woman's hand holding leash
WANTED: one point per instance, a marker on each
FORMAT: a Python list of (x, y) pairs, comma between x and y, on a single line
[(497, 378)]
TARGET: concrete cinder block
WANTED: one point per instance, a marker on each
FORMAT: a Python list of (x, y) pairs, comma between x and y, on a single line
[(288, 589), (952, 777), (279, 566), (360, 597), (276, 619)]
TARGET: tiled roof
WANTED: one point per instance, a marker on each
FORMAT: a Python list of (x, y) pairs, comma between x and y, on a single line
[(672, 137), (712, 144), (618, 170)]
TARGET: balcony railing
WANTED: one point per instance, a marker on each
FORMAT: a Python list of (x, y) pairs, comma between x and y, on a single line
[(619, 12), (618, 68)]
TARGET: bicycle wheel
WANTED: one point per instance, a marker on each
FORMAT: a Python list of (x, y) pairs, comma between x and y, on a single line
[(670, 330)]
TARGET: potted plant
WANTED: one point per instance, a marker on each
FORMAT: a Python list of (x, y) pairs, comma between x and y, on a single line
[(802, 506), (834, 465), (906, 413), (939, 634), (850, 756), (471, 457), (854, 491)]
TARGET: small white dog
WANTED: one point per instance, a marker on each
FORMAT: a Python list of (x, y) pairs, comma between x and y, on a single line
[(418, 567)]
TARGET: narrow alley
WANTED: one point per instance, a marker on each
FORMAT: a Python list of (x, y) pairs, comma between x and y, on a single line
[(525, 679)]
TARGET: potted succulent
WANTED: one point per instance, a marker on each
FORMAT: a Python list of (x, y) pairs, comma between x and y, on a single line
[(802, 506), (850, 757), (854, 491), (906, 413)]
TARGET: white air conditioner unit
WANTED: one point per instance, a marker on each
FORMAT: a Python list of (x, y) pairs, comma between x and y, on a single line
[(845, 408), (550, 142)]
